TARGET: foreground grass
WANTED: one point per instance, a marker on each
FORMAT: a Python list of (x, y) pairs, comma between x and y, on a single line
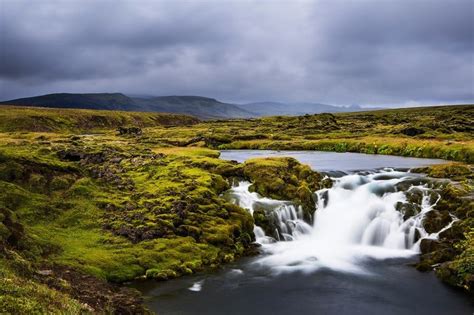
[(21, 295)]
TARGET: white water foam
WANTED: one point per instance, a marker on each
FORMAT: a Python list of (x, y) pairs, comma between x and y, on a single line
[(355, 220), (197, 286)]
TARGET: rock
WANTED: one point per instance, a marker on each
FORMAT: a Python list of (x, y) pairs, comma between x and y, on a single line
[(414, 196), (46, 272), (135, 131), (326, 182), (266, 221), (440, 255), (11, 231), (448, 274), (69, 155), (181, 208), (412, 131), (189, 230), (161, 275), (455, 232), (406, 184), (435, 220), (429, 245), (407, 209), (116, 160)]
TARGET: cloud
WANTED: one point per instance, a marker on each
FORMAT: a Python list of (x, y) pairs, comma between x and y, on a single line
[(338, 52)]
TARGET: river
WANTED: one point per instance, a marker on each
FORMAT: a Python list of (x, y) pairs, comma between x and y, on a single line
[(354, 258)]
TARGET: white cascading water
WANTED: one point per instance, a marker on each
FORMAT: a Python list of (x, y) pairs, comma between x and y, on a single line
[(355, 220), (288, 216)]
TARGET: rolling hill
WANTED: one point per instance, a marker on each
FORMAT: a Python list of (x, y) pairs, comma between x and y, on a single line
[(109, 101), (202, 107)]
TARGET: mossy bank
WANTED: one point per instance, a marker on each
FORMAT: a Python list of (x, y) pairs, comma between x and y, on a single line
[(452, 255)]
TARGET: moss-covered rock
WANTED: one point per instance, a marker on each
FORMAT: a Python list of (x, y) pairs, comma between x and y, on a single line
[(408, 209), (452, 255), (459, 272), (435, 220), (284, 179), (449, 170), (264, 217)]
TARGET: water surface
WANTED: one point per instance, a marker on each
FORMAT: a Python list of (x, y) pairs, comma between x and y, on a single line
[(331, 161), (243, 288)]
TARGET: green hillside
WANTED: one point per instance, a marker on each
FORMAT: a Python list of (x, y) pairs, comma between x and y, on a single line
[(202, 107)]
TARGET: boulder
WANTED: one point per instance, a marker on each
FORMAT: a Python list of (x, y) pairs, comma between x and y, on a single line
[(412, 131), (429, 245), (135, 131), (435, 220), (407, 209)]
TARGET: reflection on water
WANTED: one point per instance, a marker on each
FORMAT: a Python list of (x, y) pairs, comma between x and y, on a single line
[(330, 161)]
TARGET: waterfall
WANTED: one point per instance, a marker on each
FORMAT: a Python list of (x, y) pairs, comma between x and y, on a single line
[(289, 217), (355, 220)]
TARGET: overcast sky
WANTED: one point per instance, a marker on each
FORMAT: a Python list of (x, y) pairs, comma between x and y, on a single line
[(401, 52)]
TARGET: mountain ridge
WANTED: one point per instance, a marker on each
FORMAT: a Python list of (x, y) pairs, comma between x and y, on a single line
[(297, 108), (199, 106)]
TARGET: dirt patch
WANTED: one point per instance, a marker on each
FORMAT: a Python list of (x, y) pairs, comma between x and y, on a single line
[(97, 295)]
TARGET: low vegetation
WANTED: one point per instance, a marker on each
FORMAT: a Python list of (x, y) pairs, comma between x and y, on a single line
[(438, 132), (89, 198), (31, 119)]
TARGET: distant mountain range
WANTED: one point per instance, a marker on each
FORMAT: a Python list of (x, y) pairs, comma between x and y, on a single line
[(295, 109), (202, 107)]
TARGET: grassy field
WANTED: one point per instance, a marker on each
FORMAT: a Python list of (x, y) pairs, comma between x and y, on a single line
[(36, 119), (146, 203), (445, 132)]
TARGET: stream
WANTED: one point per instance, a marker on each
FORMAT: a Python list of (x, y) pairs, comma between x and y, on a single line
[(353, 258)]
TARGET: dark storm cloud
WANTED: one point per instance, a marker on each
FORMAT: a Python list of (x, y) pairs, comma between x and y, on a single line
[(342, 52)]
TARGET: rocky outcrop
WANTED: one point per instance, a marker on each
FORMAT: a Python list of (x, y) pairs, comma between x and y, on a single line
[(435, 220), (412, 131), (452, 255), (283, 179)]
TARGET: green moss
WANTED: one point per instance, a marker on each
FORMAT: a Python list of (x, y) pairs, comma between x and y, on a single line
[(284, 179), (459, 272), (449, 170), (20, 295), (126, 212)]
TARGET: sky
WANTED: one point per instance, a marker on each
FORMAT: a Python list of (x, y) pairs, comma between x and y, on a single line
[(366, 52)]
